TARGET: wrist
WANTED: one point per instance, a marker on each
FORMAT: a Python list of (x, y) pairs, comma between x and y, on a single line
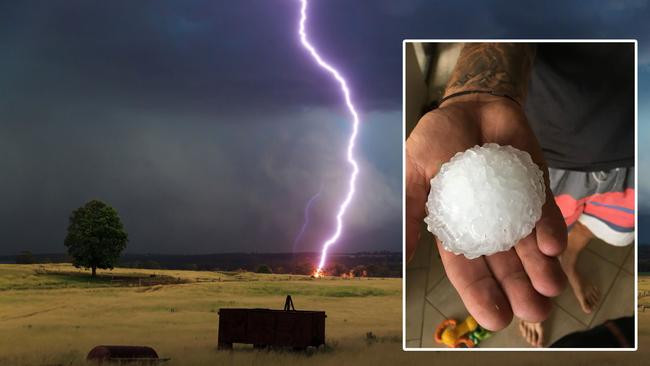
[(477, 97)]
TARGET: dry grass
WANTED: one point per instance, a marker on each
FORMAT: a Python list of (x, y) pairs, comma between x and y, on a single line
[(54, 317), (48, 318)]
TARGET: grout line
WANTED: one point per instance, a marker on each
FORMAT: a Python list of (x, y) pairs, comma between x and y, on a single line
[(631, 253), (548, 340), (435, 308), (571, 315), (430, 334), (444, 276), (434, 252), (424, 298), (605, 258)]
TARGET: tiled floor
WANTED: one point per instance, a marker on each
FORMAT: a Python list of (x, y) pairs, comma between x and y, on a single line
[(430, 297)]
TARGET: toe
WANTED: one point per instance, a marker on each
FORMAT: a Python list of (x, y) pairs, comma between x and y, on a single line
[(540, 335), (533, 337)]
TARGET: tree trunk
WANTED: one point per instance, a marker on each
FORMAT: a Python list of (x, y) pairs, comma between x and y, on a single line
[(94, 271)]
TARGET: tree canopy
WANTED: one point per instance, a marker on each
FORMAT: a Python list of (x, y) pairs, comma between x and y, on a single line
[(264, 269), (96, 236)]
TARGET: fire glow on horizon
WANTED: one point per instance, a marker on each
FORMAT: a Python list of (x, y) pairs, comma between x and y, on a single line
[(355, 128)]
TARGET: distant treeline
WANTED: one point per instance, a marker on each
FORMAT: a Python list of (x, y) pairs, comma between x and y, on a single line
[(372, 264), (375, 264)]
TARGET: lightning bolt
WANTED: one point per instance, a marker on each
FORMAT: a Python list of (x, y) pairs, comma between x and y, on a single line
[(306, 221), (355, 129)]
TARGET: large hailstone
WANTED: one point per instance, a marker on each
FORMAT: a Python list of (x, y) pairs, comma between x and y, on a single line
[(485, 200)]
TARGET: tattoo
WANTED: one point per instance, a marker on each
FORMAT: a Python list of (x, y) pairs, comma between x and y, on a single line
[(499, 67)]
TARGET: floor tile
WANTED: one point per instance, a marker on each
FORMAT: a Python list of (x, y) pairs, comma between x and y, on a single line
[(509, 337), (611, 253), (436, 270), (413, 343), (559, 324), (619, 301), (444, 302), (599, 272), (628, 265), (422, 256), (444, 297), (416, 280), (432, 318)]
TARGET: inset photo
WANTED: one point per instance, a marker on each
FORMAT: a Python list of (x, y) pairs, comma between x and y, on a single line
[(520, 194)]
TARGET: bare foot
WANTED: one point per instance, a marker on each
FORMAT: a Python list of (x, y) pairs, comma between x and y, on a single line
[(586, 293), (533, 333)]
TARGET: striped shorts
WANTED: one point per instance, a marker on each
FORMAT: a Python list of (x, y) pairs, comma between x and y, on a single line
[(602, 201)]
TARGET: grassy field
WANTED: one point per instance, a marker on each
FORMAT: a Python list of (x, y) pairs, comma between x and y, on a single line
[(54, 314)]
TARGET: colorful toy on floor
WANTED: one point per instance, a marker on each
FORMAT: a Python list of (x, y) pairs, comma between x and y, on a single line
[(466, 334)]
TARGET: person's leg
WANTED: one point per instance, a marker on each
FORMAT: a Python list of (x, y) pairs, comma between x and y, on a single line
[(609, 216), (586, 293), (568, 187), (605, 212)]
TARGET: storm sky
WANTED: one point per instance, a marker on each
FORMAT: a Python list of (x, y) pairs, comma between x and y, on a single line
[(208, 128)]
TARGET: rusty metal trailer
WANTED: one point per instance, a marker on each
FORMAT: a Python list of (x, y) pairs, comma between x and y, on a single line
[(298, 329), (112, 355)]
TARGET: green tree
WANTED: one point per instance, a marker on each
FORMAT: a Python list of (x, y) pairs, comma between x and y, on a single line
[(25, 257), (95, 237), (264, 269)]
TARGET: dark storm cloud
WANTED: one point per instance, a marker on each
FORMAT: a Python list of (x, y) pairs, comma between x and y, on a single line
[(247, 52), (186, 183), (197, 123), (205, 124)]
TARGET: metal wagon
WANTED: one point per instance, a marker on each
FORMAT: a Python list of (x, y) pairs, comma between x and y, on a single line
[(298, 329)]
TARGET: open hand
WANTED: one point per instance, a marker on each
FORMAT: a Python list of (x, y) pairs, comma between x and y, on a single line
[(521, 280)]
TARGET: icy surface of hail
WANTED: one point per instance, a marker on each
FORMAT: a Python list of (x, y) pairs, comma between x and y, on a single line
[(485, 200)]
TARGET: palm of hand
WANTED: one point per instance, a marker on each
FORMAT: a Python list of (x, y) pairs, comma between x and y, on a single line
[(493, 288)]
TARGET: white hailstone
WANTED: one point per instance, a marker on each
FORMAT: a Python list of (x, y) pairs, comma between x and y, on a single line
[(485, 200)]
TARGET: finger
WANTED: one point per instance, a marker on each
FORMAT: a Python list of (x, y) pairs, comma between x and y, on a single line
[(416, 196), (551, 228), (545, 272), (478, 289), (526, 303)]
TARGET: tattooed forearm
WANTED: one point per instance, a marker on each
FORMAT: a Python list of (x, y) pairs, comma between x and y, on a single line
[(499, 67)]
